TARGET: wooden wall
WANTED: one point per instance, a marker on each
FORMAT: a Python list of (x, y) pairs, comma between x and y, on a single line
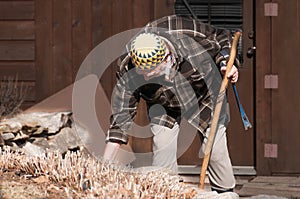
[(45, 41), (17, 43)]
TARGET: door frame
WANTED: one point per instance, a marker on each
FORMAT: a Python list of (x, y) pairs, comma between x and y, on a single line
[(263, 96)]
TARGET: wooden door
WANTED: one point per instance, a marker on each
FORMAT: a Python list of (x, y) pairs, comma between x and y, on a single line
[(241, 141), (278, 143)]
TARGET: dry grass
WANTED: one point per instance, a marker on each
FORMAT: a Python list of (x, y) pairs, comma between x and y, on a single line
[(80, 176), (12, 95)]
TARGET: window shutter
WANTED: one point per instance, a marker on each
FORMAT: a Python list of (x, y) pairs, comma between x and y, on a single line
[(221, 13)]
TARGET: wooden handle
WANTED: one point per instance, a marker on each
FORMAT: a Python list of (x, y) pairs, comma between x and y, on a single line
[(217, 111), (232, 56)]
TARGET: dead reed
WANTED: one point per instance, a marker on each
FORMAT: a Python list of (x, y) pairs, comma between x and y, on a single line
[(85, 177), (12, 95)]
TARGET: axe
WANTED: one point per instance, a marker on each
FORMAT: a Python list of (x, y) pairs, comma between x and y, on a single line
[(217, 110)]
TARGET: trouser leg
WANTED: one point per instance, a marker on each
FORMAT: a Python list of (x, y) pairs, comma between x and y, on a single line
[(165, 147), (220, 170)]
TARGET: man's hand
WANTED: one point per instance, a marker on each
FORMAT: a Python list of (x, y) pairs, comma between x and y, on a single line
[(233, 75), (111, 150)]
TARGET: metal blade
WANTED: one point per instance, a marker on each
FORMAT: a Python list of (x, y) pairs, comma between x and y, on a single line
[(244, 117)]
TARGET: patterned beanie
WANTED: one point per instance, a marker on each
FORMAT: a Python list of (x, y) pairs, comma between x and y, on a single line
[(147, 51)]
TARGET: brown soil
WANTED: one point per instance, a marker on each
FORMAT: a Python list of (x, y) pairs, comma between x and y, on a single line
[(16, 186)]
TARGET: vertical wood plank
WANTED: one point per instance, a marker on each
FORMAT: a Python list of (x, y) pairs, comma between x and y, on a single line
[(263, 96), (102, 21), (62, 44), (285, 99), (122, 15), (163, 8), (102, 29), (44, 53), (81, 32), (142, 12), (121, 20)]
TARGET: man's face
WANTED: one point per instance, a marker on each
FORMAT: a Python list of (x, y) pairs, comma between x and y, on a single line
[(158, 70)]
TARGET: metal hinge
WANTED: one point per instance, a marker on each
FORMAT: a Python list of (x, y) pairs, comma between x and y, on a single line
[(271, 9), (271, 81)]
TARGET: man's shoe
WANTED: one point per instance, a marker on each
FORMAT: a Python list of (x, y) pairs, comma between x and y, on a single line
[(222, 191)]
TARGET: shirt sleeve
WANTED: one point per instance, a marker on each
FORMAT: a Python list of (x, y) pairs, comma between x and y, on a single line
[(224, 38), (124, 104)]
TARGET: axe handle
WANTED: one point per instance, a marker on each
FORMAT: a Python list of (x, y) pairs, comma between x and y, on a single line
[(217, 111)]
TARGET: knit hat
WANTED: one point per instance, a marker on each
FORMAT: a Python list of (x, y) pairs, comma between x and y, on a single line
[(147, 51)]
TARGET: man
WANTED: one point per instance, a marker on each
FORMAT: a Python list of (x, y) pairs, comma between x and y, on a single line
[(172, 65)]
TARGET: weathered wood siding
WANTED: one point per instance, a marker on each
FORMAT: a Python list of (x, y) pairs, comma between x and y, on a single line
[(17, 43), (45, 41), (63, 39)]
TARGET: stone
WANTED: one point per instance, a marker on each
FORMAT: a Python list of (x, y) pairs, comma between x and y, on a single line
[(1, 140), (41, 142), (8, 126), (40, 131), (215, 195), (20, 136), (8, 136), (31, 149), (66, 139), (52, 122)]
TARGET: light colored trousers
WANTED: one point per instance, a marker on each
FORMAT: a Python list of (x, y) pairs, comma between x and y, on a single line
[(220, 171)]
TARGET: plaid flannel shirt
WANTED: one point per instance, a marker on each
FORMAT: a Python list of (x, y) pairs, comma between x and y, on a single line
[(194, 81)]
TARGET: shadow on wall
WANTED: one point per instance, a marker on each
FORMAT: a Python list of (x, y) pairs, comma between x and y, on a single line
[(91, 111)]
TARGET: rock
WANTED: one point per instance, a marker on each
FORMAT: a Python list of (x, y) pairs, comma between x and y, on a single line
[(7, 126), (31, 149), (29, 130), (10, 146), (8, 136), (38, 131), (206, 195), (82, 133), (1, 140), (52, 122), (65, 140), (228, 195), (20, 136), (41, 142), (215, 195), (34, 133)]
